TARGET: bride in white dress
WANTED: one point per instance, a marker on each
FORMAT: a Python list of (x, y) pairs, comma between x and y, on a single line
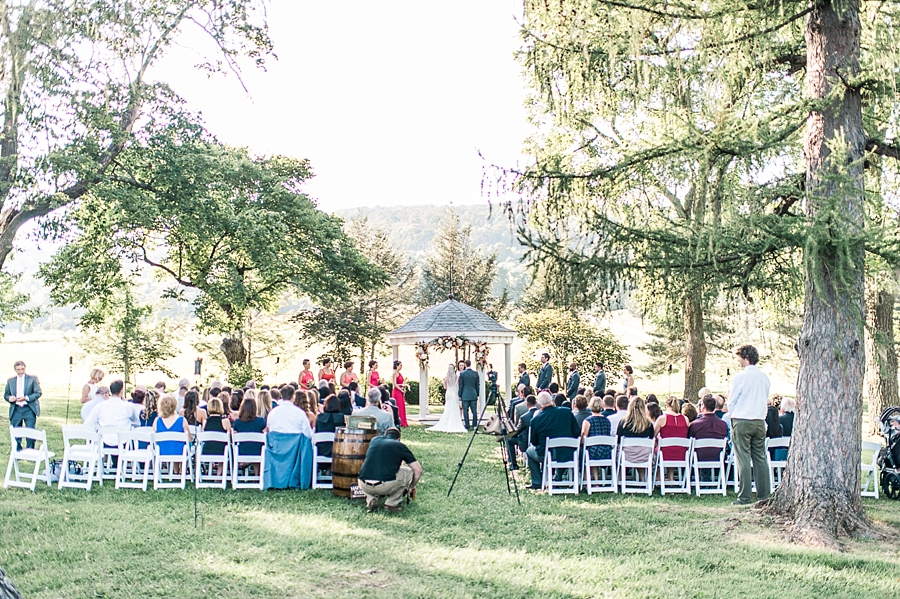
[(451, 421)]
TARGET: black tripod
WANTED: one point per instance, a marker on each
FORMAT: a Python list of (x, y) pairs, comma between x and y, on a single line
[(501, 409)]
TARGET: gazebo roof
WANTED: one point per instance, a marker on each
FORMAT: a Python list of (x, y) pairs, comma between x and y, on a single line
[(451, 318)]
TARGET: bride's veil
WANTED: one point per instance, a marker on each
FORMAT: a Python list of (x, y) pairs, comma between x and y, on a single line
[(451, 374)]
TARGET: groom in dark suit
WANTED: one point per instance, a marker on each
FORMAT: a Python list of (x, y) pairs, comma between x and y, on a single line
[(468, 393), (22, 392)]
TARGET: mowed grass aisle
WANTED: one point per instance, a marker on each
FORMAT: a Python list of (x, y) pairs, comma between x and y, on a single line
[(477, 543)]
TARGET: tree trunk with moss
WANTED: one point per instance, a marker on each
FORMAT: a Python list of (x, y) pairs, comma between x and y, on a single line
[(820, 492)]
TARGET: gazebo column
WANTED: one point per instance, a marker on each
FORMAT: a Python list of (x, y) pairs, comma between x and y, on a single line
[(395, 353), (507, 355), (423, 393)]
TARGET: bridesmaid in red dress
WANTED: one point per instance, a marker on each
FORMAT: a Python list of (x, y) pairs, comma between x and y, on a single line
[(326, 373), (399, 390), (374, 377), (307, 379)]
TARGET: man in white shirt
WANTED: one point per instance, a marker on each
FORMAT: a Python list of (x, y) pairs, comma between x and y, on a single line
[(101, 395), (114, 411), (747, 407), (621, 411), (290, 419), (383, 420)]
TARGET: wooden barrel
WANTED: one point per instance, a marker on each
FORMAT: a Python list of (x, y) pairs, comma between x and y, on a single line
[(347, 455)]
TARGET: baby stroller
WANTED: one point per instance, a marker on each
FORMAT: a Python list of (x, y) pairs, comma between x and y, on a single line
[(889, 456)]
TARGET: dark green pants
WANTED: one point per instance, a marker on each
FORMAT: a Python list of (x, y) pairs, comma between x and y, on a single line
[(749, 440)]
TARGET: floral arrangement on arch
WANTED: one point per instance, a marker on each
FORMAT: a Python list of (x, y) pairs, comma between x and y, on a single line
[(479, 348)]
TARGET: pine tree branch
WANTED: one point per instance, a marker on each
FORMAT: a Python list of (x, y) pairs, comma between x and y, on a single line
[(883, 148)]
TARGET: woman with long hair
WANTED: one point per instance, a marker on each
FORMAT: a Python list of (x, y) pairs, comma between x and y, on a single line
[(451, 421), (672, 424), (191, 405), (399, 391), (89, 391), (628, 380), (263, 403), (636, 423), (302, 401)]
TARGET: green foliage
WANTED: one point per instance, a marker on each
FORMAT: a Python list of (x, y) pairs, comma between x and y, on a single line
[(569, 337), (76, 94), (233, 227), (126, 340), (412, 393), (239, 374), (12, 303), (355, 324), (437, 393), (455, 266)]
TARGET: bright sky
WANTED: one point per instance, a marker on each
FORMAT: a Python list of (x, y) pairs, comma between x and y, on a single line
[(390, 101)]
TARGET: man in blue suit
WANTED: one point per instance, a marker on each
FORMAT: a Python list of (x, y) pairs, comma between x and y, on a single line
[(22, 392), (468, 393), (574, 382), (545, 374), (524, 378)]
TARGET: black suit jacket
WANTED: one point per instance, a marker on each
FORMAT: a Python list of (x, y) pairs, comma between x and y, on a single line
[(552, 423), (521, 433), (468, 385)]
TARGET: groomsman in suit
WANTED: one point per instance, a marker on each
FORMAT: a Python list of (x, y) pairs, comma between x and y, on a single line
[(22, 392), (545, 374), (519, 437), (599, 379), (574, 382), (524, 378), (468, 393)]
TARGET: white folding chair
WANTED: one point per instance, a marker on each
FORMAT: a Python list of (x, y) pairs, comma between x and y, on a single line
[(321, 464), (207, 462), (164, 475), (247, 480), (39, 455), (85, 454), (718, 482), (135, 461), (681, 481), (568, 469), (776, 467), (604, 466), (636, 485), (870, 470), (107, 461)]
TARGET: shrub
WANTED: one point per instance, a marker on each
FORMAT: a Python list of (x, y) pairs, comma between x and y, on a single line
[(436, 392)]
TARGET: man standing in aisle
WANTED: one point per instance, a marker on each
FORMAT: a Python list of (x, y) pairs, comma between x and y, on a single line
[(599, 380), (545, 374), (23, 392), (747, 405)]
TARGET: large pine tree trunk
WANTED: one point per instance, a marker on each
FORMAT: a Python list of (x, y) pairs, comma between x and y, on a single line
[(881, 355), (695, 348), (820, 491), (234, 350)]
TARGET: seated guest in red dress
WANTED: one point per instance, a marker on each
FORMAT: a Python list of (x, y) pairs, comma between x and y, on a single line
[(672, 424)]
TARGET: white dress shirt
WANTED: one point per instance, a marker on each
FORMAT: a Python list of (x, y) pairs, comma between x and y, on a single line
[(749, 394), (114, 411), (87, 408), (20, 385), (288, 418), (614, 420)]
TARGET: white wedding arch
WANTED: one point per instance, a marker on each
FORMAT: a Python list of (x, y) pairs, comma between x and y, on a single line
[(448, 326)]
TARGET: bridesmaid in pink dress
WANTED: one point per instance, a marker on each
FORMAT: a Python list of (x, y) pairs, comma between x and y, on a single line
[(374, 377), (398, 391)]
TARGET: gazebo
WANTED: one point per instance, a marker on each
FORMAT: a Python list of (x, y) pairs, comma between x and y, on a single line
[(448, 326)]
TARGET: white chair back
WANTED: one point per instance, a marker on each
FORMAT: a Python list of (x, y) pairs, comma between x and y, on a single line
[(247, 480), (642, 465), (567, 481), (39, 455), (602, 466), (321, 474), (718, 482), (84, 455), (165, 465), (681, 476), (135, 461), (870, 470), (206, 464)]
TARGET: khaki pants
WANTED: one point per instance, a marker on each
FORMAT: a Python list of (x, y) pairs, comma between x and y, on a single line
[(392, 489), (749, 440)]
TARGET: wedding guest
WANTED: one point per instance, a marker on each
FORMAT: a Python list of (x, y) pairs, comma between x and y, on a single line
[(356, 400), (636, 423), (100, 395), (302, 400), (215, 421), (191, 407), (672, 425), (289, 418), (169, 421), (581, 409), (346, 407), (89, 391), (596, 425), (264, 403), (149, 412), (328, 422), (654, 411), (249, 422)]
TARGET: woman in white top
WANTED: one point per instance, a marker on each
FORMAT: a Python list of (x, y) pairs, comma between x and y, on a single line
[(89, 391), (451, 421)]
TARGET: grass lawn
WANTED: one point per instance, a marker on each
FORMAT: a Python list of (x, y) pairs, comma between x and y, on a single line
[(478, 542)]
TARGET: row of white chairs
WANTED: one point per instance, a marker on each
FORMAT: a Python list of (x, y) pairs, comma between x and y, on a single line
[(611, 474)]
